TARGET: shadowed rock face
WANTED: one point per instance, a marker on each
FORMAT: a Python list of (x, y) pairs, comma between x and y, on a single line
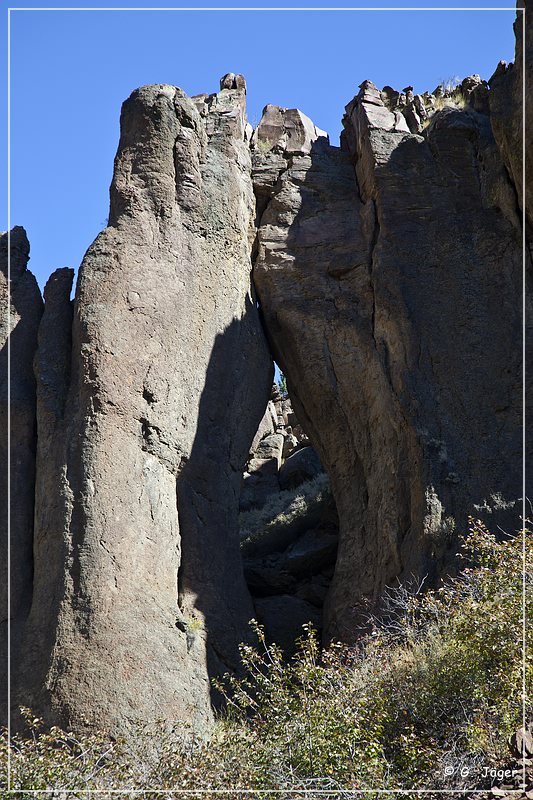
[(389, 276), (138, 590), (507, 115), (23, 299)]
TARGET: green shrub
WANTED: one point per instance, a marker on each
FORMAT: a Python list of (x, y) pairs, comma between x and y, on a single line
[(435, 684)]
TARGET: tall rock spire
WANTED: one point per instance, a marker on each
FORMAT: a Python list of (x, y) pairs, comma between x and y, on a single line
[(138, 592), (22, 307)]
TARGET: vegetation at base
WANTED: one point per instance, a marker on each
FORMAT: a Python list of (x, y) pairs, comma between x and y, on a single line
[(435, 684)]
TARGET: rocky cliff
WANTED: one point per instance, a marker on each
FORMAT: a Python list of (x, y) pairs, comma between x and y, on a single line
[(138, 589), (22, 309), (388, 285), (383, 270)]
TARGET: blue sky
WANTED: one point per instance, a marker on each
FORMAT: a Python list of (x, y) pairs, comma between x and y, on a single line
[(71, 70)]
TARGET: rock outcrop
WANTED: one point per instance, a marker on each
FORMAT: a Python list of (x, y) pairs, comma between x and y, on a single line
[(138, 591), (396, 320), (389, 282), (274, 441), (22, 307), (288, 526), (510, 116)]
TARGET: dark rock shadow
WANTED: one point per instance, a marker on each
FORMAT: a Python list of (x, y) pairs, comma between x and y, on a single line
[(211, 583), (26, 302)]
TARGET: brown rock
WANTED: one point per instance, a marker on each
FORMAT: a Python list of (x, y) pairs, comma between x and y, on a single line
[(521, 742), (403, 302), (139, 537), (507, 114), (286, 129)]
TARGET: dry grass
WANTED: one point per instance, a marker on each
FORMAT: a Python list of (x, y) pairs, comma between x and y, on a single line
[(436, 686)]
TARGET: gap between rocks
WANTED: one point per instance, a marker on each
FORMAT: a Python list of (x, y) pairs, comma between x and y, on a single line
[(288, 525)]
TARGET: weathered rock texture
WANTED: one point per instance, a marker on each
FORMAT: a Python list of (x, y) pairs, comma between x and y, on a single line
[(507, 115), (273, 442), (389, 273), (138, 589), (22, 307)]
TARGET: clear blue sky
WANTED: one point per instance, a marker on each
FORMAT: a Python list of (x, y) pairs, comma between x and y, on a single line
[(71, 70)]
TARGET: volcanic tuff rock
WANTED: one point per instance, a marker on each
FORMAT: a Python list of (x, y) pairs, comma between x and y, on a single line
[(22, 309), (138, 589), (389, 277)]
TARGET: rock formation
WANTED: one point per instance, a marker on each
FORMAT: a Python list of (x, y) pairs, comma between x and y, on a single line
[(288, 526), (383, 316), (275, 440), (22, 309), (138, 589), (507, 117), (389, 278)]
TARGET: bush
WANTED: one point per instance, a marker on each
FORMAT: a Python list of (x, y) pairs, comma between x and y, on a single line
[(435, 685)]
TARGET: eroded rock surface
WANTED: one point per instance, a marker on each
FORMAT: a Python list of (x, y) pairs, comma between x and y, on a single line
[(22, 307), (507, 112), (389, 277), (138, 590), (389, 274)]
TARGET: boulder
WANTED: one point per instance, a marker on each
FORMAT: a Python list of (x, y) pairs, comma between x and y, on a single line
[(266, 426), (312, 552), (301, 466), (286, 129), (259, 483), (314, 591), (281, 533), (521, 742), (267, 577), (271, 447), (289, 445), (232, 81), (283, 617)]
